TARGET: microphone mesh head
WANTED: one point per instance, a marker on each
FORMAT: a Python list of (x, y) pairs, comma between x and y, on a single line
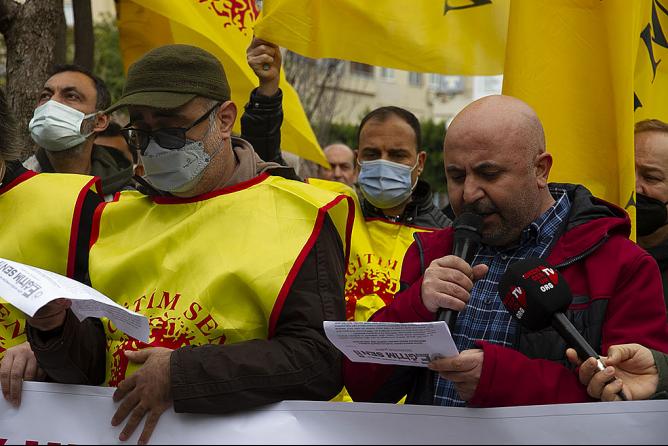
[(468, 221), (533, 291), (468, 226)]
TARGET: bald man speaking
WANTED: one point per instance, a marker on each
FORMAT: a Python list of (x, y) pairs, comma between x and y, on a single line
[(497, 166)]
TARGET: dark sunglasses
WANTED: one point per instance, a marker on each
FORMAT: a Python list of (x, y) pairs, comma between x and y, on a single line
[(167, 138)]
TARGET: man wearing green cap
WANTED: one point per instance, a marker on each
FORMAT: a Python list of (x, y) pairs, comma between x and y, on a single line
[(235, 265)]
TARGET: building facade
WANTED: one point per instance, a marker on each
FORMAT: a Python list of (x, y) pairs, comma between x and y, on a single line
[(430, 96)]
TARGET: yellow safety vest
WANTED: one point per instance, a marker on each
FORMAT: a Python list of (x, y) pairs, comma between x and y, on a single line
[(376, 256), (40, 221), (377, 252), (374, 269), (214, 269)]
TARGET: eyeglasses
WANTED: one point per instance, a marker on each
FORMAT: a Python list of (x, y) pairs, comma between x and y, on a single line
[(168, 138)]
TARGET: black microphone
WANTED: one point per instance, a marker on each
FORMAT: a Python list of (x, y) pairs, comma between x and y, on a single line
[(466, 243), (537, 295)]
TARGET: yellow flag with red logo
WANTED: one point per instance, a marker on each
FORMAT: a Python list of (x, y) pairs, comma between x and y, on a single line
[(573, 62), (435, 36), (225, 29)]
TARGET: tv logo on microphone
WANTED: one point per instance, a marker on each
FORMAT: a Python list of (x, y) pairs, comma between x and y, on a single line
[(515, 300), (544, 276)]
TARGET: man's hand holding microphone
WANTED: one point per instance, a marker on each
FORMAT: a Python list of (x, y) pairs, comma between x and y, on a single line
[(446, 289)]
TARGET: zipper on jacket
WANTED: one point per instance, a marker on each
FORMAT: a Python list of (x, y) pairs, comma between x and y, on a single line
[(420, 251), (577, 258)]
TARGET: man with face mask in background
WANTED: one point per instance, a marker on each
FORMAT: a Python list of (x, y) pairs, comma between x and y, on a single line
[(235, 266), (390, 162), (46, 220), (68, 117), (65, 125), (395, 204), (651, 157)]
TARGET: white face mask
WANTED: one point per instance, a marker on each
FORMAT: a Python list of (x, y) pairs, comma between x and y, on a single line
[(56, 127), (174, 170), (177, 170)]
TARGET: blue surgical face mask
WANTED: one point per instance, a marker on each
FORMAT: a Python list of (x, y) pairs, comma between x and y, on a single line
[(385, 184)]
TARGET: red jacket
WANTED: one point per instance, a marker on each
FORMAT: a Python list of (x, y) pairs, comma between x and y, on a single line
[(607, 273)]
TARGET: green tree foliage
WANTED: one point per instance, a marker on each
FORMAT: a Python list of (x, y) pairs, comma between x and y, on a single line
[(108, 60), (432, 142), (345, 133)]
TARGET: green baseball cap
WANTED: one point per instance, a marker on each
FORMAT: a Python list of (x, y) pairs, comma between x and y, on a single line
[(169, 76)]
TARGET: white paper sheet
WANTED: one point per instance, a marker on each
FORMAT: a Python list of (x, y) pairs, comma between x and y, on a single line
[(412, 344), (29, 289)]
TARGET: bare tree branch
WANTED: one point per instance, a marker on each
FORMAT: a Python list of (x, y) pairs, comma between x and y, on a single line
[(316, 82)]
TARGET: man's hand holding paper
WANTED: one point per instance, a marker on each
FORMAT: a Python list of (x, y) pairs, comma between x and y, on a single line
[(45, 297)]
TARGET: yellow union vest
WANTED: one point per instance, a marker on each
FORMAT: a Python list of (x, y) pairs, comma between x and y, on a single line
[(214, 269), (377, 250), (40, 218), (374, 269)]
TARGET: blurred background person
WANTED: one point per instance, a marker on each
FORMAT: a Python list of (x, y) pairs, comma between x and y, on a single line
[(651, 158), (341, 159)]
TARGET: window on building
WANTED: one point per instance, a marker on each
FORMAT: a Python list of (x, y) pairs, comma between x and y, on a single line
[(435, 82), (386, 74), (446, 84), (415, 79), (493, 83), (361, 69)]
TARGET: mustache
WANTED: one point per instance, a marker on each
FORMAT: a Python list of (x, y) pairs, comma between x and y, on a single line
[(480, 208)]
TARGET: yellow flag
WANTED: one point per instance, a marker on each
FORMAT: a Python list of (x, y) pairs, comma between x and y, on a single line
[(573, 62), (224, 28), (435, 36), (651, 77)]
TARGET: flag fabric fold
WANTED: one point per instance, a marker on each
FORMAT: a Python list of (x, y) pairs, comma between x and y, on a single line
[(573, 62), (463, 37)]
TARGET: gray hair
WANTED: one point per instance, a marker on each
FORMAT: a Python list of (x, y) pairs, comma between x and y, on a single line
[(649, 125), (206, 104)]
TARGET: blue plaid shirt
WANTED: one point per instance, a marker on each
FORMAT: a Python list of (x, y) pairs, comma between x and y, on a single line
[(485, 317)]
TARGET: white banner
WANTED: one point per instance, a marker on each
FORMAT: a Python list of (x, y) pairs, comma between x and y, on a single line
[(58, 413)]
